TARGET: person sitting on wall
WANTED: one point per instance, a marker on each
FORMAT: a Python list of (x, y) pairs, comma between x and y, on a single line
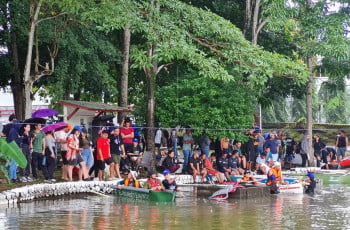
[(195, 167), (136, 155), (170, 163), (224, 166)]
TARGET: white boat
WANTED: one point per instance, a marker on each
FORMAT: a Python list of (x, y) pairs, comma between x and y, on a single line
[(295, 188)]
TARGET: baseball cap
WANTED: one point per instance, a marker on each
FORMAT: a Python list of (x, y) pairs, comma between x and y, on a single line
[(166, 172), (311, 175)]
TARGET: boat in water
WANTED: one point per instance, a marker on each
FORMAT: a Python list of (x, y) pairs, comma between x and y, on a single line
[(144, 194)]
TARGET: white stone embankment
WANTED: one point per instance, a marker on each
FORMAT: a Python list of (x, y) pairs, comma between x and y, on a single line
[(37, 191)]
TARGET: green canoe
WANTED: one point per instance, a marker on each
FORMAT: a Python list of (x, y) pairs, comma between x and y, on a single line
[(144, 194)]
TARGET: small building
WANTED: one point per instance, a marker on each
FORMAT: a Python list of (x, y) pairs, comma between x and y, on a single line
[(92, 115)]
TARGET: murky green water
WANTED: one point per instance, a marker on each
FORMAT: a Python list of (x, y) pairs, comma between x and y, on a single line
[(328, 209)]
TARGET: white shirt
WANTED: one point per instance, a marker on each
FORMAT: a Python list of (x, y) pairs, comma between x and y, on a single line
[(158, 138)]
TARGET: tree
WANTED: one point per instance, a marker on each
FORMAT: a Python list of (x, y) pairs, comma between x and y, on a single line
[(172, 30), (318, 31), (34, 13)]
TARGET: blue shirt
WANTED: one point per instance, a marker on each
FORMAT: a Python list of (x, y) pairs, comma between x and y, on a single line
[(273, 144)]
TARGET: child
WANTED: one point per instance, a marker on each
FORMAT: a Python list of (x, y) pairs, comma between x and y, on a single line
[(248, 178), (310, 183)]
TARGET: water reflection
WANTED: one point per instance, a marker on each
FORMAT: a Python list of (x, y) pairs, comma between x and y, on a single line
[(328, 209)]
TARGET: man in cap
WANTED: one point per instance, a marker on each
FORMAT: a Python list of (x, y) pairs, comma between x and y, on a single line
[(169, 183), (277, 172), (310, 183)]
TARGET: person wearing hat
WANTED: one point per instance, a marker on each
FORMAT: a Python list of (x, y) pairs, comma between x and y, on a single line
[(127, 134), (153, 183), (310, 183), (130, 181), (136, 154), (104, 156), (277, 172), (169, 183)]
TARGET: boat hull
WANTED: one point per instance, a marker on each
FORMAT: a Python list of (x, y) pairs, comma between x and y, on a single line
[(145, 194)]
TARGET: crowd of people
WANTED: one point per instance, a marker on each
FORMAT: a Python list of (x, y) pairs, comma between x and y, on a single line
[(118, 148)]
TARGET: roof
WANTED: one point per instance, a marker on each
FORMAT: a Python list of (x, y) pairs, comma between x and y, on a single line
[(94, 106)]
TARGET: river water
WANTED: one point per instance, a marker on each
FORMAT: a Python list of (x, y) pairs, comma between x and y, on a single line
[(329, 208)]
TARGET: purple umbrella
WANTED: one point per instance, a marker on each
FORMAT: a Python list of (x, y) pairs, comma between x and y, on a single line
[(44, 113), (55, 127)]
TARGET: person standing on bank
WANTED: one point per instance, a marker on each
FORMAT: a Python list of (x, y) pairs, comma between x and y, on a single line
[(50, 156), (341, 144), (187, 148), (86, 149), (104, 155), (39, 146), (127, 134), (304, 149), (27, 149), (117, 149)]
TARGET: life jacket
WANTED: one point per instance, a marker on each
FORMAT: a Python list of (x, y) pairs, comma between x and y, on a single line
[(277, 176), (245, 179), (154, 183), (126, 183)]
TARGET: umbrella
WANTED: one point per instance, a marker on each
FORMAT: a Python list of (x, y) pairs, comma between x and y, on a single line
[(55, 127), (32, 122), (44, 113)]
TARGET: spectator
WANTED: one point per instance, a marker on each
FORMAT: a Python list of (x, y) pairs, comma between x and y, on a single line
[(104, 156)]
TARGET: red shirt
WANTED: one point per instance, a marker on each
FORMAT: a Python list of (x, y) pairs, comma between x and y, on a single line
[(127, 131), (103, 145)]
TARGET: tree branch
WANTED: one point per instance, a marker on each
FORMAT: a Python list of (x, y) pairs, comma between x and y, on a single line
[(48, 18), (162, 66)]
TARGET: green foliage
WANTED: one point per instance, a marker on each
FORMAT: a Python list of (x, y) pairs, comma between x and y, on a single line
[(222, 108)]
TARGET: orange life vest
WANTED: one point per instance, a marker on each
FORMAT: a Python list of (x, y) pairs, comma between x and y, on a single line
[(126, 183)]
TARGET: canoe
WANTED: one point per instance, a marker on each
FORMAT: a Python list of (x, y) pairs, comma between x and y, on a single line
[(345, 162), (295, 188), (262, 178), (144, 194)]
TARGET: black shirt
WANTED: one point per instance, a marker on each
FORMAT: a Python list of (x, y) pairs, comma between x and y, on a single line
[(116, 142)]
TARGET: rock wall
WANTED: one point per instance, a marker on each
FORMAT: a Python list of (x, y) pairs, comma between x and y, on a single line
[(37, 191)]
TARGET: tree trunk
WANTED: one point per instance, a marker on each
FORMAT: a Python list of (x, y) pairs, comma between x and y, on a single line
[(17, 85), (309, 111), (28, 80), (123, 99), (247, 17)]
